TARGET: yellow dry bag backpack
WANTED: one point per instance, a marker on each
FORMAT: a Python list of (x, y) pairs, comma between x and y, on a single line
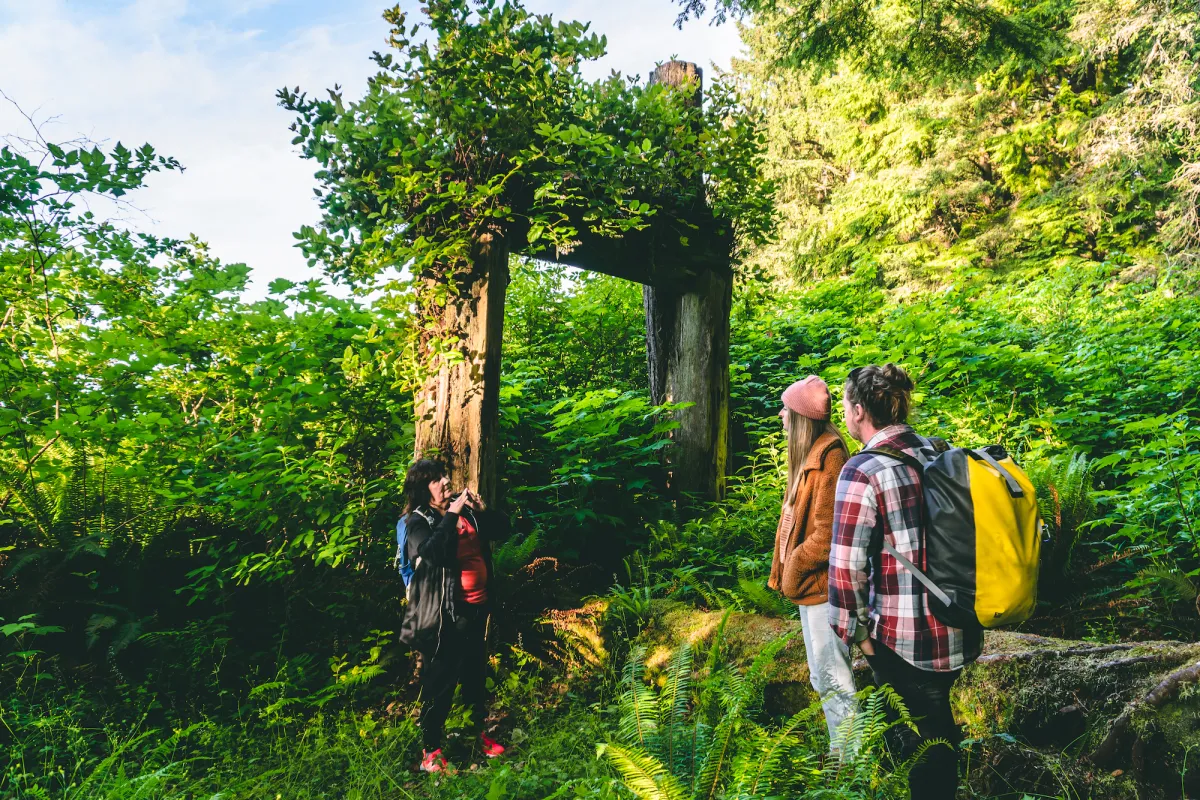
[(982, 536)]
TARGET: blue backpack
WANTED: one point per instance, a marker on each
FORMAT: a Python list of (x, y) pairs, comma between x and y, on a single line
[(406, 567)]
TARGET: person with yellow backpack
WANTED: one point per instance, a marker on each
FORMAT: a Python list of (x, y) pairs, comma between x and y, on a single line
[(931, 544)]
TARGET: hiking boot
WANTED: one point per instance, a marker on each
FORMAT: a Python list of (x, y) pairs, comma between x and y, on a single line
[(491, 748), (434, 761)]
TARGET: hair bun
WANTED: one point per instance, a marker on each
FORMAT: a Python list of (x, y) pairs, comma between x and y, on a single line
[(882, 391), (896, 376)]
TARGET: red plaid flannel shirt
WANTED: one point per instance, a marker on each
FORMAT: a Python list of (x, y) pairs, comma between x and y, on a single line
[(869, 592)]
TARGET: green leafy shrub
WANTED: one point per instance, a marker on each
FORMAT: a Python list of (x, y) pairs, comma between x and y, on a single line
[(1066, 506), (586, 469)]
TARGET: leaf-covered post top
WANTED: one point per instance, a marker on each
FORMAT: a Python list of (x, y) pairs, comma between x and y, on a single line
[(480, 124)]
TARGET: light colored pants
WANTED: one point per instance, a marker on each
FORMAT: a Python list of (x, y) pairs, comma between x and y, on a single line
[(829, 670)]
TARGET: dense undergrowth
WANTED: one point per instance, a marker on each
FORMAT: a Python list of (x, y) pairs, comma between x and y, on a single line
[(197, 493)]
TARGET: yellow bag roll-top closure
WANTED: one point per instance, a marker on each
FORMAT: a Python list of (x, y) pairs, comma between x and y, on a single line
[(1007, 546)]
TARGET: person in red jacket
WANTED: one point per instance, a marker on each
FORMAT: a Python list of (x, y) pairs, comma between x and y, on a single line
[(449, 545)]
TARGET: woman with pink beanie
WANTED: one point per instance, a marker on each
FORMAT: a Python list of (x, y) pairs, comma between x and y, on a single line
[(800, 565)]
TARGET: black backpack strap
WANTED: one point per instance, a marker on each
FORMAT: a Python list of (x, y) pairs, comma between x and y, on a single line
[(1014, 488), (416, 562)]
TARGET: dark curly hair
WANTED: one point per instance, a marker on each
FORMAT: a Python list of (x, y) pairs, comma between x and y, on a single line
[(885, 393), (423, 472)]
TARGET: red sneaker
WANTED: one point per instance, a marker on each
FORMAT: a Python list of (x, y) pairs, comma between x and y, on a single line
[(434, 761), (491, 748)]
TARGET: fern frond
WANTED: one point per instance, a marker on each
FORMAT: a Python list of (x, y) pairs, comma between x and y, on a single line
[(700, 739), (30, 495), (95, 624), (91, 545), (717, 757), (712, 598), (865, 731), (126, 635), (761, 769), (731, 686), (755, 593), (25, 559), (673, 702), (359, 675), (750, 691), (639, 712), (642, 773), (1171, 581), (886, 694), (752, 742), (1076, 504), (714, 651), (73, 506), (1065, 503), (901, 771)]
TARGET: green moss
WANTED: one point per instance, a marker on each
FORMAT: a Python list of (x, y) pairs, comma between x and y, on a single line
[(745, 635), (984, 701)]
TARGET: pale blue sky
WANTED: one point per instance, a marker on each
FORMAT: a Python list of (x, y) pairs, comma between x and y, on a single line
[(197, 78)]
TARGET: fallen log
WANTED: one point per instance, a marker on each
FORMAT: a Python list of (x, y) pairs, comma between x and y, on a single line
[(1000, 658), (1161, 693)]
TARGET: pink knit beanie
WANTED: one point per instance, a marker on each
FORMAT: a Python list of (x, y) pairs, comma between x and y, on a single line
[(808, 398)]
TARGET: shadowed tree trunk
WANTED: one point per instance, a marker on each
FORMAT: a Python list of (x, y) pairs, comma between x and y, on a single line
[(457, 408), (687, 349), (687, 353)]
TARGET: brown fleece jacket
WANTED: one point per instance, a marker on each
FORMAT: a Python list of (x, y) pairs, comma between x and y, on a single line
[(800, 566)]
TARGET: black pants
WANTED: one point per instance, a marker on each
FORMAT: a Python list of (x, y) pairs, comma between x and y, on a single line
[(926, 695), (460, 659)]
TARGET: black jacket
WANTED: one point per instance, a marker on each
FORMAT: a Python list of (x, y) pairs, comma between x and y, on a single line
[(433, 551)]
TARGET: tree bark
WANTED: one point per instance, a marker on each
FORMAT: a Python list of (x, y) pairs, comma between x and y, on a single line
[(687, 350), (661, 310), (687, 354), (457, 408)]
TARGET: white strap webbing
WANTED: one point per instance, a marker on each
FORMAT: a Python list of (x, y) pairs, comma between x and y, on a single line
[(916, 573)]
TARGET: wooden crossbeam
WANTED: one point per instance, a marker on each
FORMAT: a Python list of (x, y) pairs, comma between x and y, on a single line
[(655, 256)]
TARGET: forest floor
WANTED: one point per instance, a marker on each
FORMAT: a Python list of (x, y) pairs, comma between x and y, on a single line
[(1041, 716)]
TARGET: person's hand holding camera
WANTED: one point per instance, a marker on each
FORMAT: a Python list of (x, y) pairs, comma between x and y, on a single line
[(463, 499)]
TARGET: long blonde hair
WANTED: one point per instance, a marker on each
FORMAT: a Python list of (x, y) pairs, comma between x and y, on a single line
[(802, 434)]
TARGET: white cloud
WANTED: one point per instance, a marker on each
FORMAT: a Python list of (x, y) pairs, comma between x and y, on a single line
[(198, 82), (201, 91), (641, 34)]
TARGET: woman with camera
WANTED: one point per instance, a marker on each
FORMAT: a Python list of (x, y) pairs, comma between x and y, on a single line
[(449, 545)]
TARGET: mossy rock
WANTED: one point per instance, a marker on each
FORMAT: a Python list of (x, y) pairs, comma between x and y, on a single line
[(1036, 711)]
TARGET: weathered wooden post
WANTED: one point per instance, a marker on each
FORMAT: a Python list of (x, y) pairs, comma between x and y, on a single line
[(457, 409), (687, 350)]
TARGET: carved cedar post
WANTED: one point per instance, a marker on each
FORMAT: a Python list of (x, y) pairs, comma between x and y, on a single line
[(687, 349), (457, 408)]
